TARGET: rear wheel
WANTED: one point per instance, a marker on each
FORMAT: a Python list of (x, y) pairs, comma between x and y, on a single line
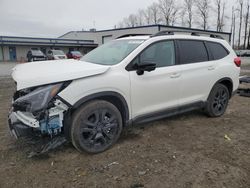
[(96, 126), (217, 101)]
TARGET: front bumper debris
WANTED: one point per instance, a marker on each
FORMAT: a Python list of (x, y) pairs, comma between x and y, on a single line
[(17, 128), (23, 124)]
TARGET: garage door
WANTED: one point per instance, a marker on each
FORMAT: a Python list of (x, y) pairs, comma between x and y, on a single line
[(107, 38)]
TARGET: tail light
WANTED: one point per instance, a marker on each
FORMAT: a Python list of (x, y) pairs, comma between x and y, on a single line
[(237, 61)]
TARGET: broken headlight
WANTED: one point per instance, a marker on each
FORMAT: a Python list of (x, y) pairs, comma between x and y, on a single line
[(38, 99)]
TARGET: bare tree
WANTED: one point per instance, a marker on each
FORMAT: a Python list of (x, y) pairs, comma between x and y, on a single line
[(241, 15), (220, 12), (233, 26), (188, 6), (147, 16), (174, 16), (130, 21), (140, 17), (168, 10), (203, 7), (248, 39), (246, 24), (154, 9)]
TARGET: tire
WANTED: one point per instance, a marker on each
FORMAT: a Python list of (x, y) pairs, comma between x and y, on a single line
[(96, 126), (217, 101)]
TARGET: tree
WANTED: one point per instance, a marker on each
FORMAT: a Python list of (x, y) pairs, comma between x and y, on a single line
[(233, 26), (168, 11), (140, 17), (147, 16), (246, 24), (220, 12), (248, 40), (154, 9), (188, 6), (241, 12), (203, 12)]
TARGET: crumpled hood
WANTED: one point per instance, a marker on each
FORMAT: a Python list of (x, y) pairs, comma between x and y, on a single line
[(46, 72)]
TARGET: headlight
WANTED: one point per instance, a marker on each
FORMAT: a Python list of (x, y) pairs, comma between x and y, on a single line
[(37, 99)]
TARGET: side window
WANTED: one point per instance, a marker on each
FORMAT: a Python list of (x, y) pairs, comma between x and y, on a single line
[(192, 51), (160, 53), (217, 50)]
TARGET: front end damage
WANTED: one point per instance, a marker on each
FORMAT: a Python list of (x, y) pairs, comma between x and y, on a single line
[(38, 111)]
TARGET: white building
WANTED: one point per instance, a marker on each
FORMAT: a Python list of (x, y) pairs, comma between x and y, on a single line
[(100, 37), (16, 48)]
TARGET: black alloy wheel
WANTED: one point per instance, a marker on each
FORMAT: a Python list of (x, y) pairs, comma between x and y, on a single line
[(96, 126), (218, 101)]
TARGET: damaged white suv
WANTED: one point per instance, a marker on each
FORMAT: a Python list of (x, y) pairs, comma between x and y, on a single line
[(126, 81)]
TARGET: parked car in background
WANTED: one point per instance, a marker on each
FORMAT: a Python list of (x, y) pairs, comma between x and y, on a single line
[(36, 55), (56, 54), (243, 53), (74, 55)]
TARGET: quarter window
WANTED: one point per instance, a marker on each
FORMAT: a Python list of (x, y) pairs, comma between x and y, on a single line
[(160, 53), (217, 50), (192, 51)]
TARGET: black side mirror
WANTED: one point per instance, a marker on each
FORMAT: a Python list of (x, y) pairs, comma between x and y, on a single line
[(145, 66)]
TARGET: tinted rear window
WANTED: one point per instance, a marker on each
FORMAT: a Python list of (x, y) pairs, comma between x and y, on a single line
[(192, 51), (217, 50)]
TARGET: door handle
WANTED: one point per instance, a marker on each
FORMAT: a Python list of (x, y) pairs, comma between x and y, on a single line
[(211, 68), (175, 75)]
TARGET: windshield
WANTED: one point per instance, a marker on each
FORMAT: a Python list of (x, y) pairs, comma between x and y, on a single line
[(37, 53), (58, 52), (112, 52)]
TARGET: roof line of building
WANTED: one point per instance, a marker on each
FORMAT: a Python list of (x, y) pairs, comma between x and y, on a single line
[(145, 26), (45, 43), (36, 38)]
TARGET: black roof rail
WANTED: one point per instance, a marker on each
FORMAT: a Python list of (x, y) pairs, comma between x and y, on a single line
[(132, 35), (161, 33), (195, 34), (172, 32), (216, 36)]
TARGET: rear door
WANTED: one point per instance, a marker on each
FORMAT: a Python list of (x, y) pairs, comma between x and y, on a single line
[(196, 69), (157, 90)]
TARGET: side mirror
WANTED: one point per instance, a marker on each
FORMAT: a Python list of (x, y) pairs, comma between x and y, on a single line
[(144, 66)]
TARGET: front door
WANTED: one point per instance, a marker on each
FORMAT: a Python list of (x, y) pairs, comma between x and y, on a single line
[(12, 53), (159, 89)]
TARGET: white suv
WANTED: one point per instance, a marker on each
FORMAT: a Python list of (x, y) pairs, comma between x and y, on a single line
[(126, 81)]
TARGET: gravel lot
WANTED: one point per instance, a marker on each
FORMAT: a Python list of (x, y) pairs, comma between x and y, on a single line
[(189, 150)]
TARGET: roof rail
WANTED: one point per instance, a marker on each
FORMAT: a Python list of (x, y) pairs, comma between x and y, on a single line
[(216, 36), (172, 32), (132, 35)]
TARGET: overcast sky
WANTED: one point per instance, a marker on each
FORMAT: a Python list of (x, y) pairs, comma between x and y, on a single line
[(52, 18)]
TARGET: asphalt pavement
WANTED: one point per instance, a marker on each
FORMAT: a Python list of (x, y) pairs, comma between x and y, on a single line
[(6, 69)]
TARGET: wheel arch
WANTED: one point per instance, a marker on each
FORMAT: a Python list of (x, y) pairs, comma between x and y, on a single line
[(113, 97), (228, 82)]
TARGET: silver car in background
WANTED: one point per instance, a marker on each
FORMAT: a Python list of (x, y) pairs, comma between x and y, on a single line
[(56, 55)]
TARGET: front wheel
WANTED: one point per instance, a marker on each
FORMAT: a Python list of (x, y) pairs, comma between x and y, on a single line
[(96, 126), (217, 101)]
